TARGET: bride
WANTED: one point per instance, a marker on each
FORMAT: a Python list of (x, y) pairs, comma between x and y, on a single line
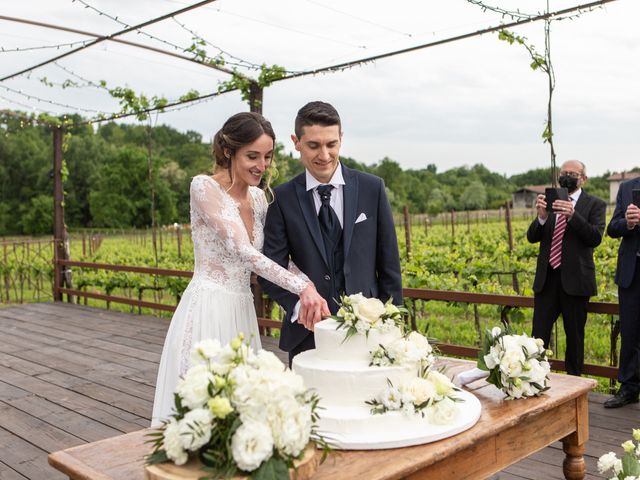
[(227, 218)]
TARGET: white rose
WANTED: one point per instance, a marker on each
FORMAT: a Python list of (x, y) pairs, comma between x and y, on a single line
[(443, 385), (421, 389), (511, 362), (195, 428), (251, 445), (193, 388), (205, 350), (530, 345), (356, 298), (443, 412), (369, 310), (492, 359), (173, 445), (420, 341)]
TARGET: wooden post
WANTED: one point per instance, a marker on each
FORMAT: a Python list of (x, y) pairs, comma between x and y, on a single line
[(453, 225), (407, 230), (507, 216), (84, 244), (468, 221), (59, 230), (179, 238), (255, 97)]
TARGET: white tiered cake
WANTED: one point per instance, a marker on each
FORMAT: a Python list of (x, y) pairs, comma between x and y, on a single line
[(338, 369)]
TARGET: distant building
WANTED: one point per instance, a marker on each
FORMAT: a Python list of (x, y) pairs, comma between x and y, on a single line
[(615, 180), (526, 196)]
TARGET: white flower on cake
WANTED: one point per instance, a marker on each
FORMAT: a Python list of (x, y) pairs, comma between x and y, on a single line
[(358, 314), (239, 411), (517, 364), (414, 350), (423, 395)]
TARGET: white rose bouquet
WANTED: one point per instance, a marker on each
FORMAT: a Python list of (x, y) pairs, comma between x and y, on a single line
[(238, 412), (627, 468), (517, 364), (358, 314)]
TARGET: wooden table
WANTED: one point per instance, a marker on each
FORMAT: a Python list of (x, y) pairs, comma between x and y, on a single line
[(507, 432)]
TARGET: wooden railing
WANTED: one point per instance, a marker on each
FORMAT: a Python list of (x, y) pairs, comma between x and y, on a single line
[(411, 294)]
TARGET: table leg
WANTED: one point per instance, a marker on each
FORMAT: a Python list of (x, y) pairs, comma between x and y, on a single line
[(573, 465)]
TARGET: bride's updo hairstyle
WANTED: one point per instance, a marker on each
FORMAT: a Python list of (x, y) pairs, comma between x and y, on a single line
[(238, 131)]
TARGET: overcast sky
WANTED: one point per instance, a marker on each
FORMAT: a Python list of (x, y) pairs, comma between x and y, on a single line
[(472, 101)]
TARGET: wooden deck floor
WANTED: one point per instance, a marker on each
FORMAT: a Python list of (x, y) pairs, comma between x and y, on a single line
[(71, 374)]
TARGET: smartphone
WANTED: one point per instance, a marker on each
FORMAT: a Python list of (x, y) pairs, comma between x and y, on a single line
[(635, 197), (553, 194)]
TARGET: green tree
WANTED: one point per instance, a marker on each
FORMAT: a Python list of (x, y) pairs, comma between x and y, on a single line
[(474, 197)]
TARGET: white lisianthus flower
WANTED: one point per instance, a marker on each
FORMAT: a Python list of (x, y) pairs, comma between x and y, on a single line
[(173, 445), (205, 350), (265, 360), (369, 310), (492, 359), (195, 428), (391, 398), (291, 428), (495, 331), (443, 412), (251, 445), (421, 389), (193, 388), (362, 326), (628, 446), (443, 385), (636, 434), (220, 407), (341, 312)]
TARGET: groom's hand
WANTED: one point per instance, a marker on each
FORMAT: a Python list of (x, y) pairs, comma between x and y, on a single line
[(312, 307)]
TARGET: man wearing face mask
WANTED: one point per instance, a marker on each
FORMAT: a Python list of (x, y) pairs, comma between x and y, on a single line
[(565, 274)]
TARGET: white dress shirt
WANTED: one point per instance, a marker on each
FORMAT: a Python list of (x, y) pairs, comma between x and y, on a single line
[(337, 203)]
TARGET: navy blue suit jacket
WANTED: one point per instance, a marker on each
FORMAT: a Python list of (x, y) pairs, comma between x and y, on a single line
[(627, 253), (292, 231)]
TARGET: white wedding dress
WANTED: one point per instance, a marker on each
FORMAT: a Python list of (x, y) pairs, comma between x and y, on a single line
[(218, 302)]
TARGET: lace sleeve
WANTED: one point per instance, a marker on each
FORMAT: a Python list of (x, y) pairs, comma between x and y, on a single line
[(218, 212), (293, 268)]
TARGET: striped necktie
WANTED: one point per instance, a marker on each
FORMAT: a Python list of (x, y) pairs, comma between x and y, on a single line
[(555, 257)]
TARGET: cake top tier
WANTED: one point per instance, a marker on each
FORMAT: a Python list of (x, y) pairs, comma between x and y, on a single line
[(333, 344)]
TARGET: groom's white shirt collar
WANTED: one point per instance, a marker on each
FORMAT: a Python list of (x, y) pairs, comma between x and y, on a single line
[(336, 180)]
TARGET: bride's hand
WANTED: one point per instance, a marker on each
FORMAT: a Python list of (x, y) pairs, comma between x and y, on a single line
[(312, 307)]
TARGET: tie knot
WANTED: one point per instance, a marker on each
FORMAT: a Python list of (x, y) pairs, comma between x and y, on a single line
[(325, 193)]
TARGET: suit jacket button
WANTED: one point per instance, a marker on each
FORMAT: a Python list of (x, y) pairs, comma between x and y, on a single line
[(327, 278)]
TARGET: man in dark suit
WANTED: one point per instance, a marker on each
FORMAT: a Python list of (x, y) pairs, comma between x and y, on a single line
[(625, 224), (565, 275), (334, 223)]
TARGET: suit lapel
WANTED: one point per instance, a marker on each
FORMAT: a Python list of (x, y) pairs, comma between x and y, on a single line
[(308, 208), (582, 203), (350, 196)]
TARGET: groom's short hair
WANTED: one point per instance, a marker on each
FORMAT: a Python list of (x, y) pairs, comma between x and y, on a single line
[(316, 113)]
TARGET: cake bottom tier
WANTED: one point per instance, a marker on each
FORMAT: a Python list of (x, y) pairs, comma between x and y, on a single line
[(355, 428)]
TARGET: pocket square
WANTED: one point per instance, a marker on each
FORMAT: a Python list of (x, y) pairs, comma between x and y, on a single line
[(361, 218)]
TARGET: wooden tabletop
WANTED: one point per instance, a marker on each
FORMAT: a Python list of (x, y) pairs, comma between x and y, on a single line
[(507, 431)]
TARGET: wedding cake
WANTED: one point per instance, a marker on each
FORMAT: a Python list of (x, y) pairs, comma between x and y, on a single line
[(367, 403)]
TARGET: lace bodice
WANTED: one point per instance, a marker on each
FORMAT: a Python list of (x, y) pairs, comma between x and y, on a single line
[(223, 252)]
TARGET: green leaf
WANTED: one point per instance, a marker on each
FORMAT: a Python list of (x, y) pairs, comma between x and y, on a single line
[(273, 469), (630, 465)]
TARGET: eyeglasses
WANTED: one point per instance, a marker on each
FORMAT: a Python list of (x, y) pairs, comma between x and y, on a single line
[(570, 174)]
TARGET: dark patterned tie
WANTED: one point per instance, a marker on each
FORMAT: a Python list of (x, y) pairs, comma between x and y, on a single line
[(329, 223), (555, 256)]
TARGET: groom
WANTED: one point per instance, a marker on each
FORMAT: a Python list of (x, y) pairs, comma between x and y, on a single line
[(334, 223)]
